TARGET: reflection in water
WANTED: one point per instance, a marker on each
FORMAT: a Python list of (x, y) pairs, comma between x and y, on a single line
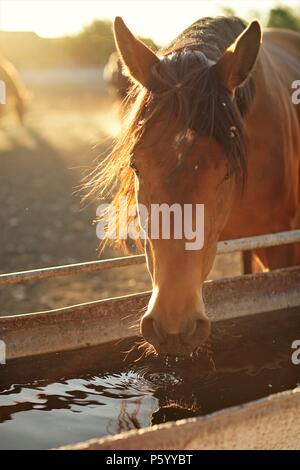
[(126, 420), (64, 398)]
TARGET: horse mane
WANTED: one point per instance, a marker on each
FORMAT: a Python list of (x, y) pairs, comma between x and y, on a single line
[(184, 88)]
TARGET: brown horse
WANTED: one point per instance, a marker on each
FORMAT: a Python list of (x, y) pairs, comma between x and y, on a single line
[(213, 123), (16, 92)]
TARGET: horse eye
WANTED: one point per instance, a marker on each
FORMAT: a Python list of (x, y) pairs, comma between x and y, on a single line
[(134, 168), (227, 176)]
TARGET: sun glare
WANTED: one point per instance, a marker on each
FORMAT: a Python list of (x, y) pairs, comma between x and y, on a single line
[(159, 19)]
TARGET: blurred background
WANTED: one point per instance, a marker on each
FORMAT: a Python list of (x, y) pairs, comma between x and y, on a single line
[(61, 117)]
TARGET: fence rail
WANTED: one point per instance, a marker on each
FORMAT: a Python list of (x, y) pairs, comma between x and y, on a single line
[(228, 246)]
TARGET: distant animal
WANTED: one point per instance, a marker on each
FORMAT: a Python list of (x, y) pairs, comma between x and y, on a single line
[(15, 90), (214, 123), (117, 82)]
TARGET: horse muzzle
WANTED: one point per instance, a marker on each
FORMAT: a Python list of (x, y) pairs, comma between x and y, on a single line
[(183, 343)]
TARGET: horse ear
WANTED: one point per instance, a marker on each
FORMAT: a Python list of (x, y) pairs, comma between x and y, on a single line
[(238, 60), (136, 57)]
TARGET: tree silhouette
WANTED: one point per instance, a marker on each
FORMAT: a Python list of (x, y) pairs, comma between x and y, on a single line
[(284, 17)]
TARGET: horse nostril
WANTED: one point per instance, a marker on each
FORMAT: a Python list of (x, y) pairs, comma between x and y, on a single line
[(197, 331), (189, 331), (150, 330)]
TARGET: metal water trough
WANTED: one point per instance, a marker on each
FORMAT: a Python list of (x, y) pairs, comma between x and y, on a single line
[(269, 423)]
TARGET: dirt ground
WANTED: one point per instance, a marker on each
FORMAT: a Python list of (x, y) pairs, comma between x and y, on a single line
[(71, 122)]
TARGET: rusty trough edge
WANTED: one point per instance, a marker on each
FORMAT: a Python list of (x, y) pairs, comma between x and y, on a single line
[(227, 246), (115, 319), (265, 424)]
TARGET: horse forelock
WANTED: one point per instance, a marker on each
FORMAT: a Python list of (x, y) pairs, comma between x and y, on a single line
[(186, 90)]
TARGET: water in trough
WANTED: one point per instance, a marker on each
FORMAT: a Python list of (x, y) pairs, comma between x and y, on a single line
[(64, 398)]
